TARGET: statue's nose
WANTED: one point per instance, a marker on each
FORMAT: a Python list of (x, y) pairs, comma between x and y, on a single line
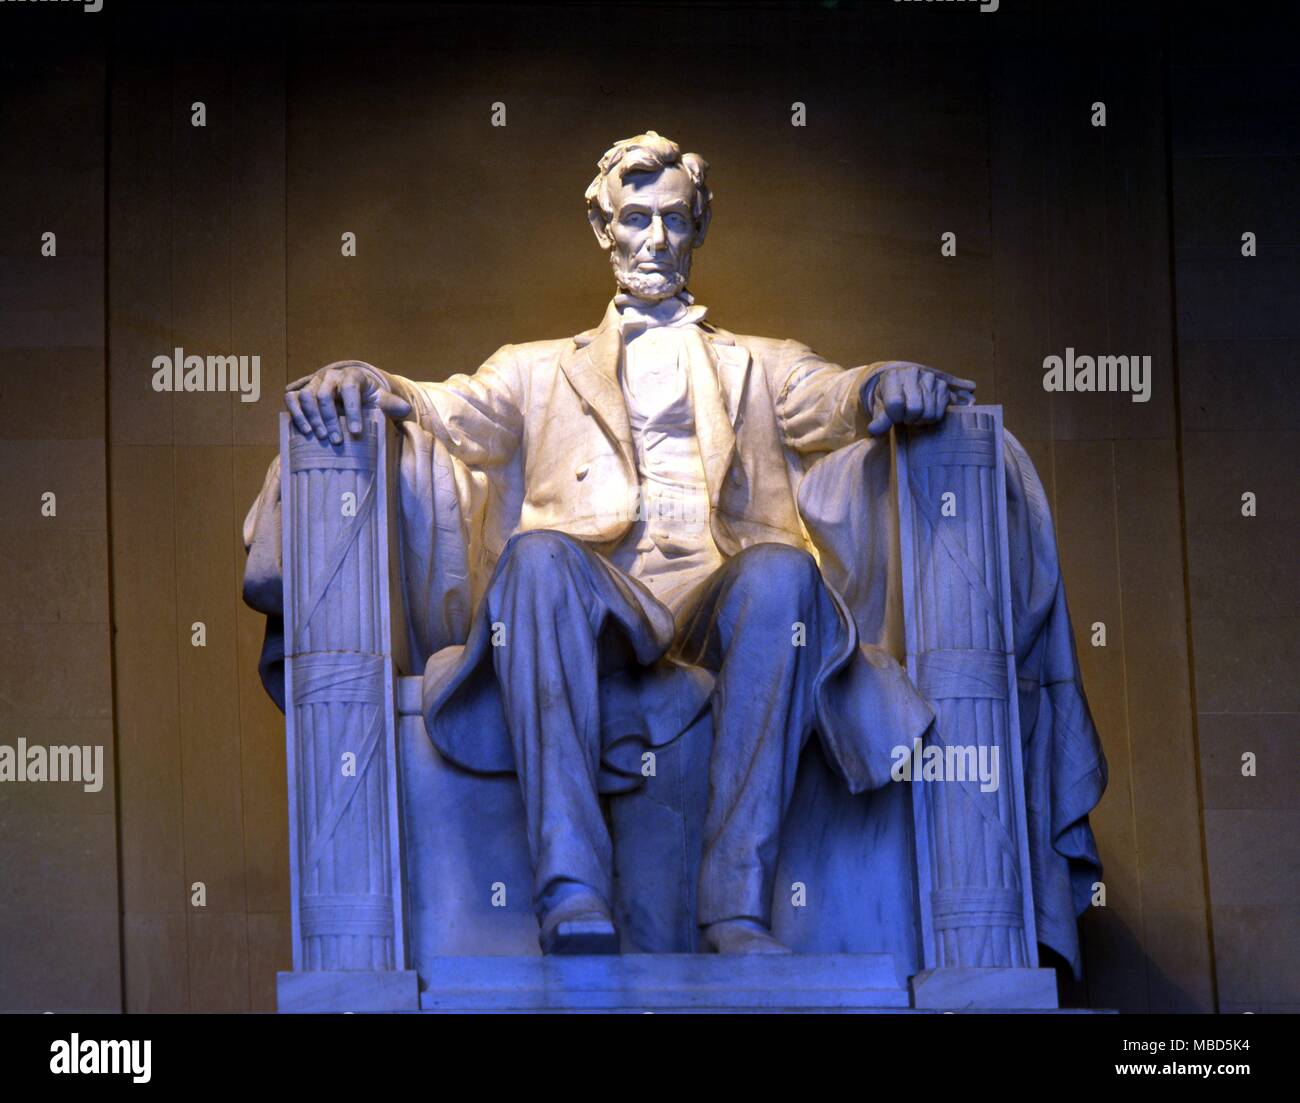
[(658, 236)]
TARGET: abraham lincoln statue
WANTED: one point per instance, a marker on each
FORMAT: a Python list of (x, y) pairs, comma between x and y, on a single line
[(647, 524)]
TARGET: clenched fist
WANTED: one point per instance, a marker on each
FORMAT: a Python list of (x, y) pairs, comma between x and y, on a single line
[(903, 393), (314, 400)]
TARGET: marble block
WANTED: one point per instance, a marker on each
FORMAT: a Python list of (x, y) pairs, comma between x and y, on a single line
[(338, 990), (650, 982), (986, 989)]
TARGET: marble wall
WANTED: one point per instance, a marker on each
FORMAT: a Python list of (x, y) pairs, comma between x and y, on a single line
[(1236, 169)]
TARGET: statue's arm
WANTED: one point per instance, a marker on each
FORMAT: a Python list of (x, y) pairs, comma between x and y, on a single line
[(477, 417), (818, 403), (821, 406)]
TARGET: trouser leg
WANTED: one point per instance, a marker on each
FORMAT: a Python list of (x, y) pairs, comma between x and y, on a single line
[(746, 628), (543, 606)]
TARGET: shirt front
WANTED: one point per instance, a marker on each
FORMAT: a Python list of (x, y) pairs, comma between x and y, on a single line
[(670, 546)]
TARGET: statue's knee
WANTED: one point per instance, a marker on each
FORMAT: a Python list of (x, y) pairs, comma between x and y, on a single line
[(541, 569), (541, 551), (777, 572)]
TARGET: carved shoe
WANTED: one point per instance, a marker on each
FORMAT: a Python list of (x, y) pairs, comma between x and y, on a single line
[(579, 924), (740, 936)]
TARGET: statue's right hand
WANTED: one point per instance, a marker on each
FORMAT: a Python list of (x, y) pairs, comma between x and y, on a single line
[(314, 400)]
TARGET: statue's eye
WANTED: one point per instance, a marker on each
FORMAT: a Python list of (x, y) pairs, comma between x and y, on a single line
[(635, 218), (676, 221)]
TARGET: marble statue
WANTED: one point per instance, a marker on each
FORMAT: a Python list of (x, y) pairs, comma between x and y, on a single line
[(607, 537)]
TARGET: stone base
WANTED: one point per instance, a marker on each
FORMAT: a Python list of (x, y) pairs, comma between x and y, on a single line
[(351, 990), (665, 982), (668, 982), (962, 989)]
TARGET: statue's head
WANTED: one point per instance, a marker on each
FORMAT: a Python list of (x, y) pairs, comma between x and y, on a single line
[(649, 207)]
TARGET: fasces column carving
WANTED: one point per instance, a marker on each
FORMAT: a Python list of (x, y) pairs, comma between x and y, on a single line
[(972, 849), (344, 837)]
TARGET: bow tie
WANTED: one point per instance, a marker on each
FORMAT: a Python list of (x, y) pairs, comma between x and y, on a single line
[(636, 315)]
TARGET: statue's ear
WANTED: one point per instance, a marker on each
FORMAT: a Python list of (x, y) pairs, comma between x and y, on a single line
[(702, 227), (600, 227)]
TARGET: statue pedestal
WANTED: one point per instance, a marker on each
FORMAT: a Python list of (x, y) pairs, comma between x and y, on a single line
[(666, 982), (996, 989), (339, 990)]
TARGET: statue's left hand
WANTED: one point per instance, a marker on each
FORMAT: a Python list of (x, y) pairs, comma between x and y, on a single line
[(903, 393)]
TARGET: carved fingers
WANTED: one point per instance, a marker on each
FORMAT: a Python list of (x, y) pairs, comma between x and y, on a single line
[(912, 394), (939, 395), (350, 390), (314, 401), (395, 406)]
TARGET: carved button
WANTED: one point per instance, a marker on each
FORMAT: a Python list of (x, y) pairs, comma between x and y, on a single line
[(586, 407), (581, 472), (737, 476)]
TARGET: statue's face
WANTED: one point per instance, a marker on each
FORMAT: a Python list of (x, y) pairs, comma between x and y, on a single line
[(652, 232)]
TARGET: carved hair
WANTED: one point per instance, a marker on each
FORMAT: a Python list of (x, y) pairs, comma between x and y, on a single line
[(648, 152)]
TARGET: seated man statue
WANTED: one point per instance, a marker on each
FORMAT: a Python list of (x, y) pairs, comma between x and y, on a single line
[(645, 556)]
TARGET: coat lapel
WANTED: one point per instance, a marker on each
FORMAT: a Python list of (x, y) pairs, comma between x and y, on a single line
[(733, 370), (719, 369), (718, 374), (591, 366)]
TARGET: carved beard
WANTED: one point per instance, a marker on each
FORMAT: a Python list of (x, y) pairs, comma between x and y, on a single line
[(653, 287)]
